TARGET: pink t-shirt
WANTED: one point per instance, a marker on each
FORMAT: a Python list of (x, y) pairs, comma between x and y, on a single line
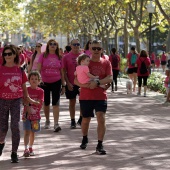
[(50, 68), (29, 54), (37, 95), (163, 57), (70, 64), (35, 62), (11, 82), (153, 56), (81, 72), (21, 59), (147, 63), (157, 62), (88, 52), (129, 58), (110, 59), (166, 81), (101, 69)]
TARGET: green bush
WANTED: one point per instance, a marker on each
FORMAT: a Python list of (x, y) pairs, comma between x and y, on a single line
[(156, 82)]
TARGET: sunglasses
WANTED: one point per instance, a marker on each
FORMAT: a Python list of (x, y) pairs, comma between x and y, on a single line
[(38, 46), (96, 48), (52, 44), (8, 54), (76, 44)]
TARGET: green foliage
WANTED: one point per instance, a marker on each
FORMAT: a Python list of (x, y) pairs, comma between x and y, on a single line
[(123, 63), (156, 82)]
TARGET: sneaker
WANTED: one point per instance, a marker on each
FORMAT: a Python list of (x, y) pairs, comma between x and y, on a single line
[(47, 125), (84, 144), (100, 150), (73, 125), (26, 153), (115, 88), (31, 152), (14, 157), (57, 128), (144, 95), (1, 148)]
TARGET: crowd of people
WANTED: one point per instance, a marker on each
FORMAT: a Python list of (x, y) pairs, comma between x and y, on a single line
[(87, 72)]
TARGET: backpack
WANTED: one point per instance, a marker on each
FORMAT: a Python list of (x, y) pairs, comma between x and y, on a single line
[(115, 61), (143, 68), (133, 59)]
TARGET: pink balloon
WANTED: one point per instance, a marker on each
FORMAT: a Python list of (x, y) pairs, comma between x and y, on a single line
[(43, 48)]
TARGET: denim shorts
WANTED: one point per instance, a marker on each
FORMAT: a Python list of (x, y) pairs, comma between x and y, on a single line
[(88, 106), (33, 125)]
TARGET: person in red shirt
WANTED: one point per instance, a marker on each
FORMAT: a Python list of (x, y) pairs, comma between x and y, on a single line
[(132, 69), (143, 58), (93, 97), (115, 61), (163, 61)]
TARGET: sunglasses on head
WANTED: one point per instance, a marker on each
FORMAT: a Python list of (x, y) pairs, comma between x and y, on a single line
[(8, 54), (53, 44), (76, 44), (96, 48)]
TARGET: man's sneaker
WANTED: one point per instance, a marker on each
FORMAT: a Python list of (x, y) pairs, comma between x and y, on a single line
[(47, 125), (73, 125), (26, 153), (1, 148), (84, 144), (100, 150), (31, 152), (14, 157), (144, 95), (57, 128)]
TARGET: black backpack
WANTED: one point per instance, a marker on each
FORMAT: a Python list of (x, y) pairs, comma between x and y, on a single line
[(115, 61), (143, 68)]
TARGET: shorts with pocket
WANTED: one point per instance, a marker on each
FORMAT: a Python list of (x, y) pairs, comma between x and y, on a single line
[(33, 125)]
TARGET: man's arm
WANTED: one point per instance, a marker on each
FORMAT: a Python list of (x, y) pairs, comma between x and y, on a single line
[(69, 85)]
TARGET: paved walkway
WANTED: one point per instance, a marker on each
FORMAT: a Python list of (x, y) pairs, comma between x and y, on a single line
[(137, 138)]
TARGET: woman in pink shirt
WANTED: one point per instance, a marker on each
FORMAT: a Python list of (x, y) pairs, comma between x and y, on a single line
[(163, 61), (34, 59), (87, 48), (51, 68), (142, 75), (12, 89)]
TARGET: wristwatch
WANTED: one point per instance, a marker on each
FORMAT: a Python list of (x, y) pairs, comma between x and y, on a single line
[(98, 82)]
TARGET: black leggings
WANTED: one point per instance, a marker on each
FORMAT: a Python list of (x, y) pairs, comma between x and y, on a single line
[(144, 80), (115, 75)]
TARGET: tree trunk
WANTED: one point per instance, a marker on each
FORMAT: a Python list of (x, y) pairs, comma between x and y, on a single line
[(136, 34), (116, 38), (126, 39), (168, 41)]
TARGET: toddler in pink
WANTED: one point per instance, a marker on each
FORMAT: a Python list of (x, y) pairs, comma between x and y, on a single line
[(82, 70)]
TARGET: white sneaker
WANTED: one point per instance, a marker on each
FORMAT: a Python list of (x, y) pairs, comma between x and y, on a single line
[(47, 125), (57, 128)]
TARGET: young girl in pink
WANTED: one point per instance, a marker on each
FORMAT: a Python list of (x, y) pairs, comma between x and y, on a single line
[(167, 86), (157, 62), (12, 89), (82, 70), (31, 114)]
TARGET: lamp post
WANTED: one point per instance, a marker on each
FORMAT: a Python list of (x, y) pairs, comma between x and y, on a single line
[(151, 10)]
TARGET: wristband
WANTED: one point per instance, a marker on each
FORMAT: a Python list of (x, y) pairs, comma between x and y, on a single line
[(98, 82), (63, 85)]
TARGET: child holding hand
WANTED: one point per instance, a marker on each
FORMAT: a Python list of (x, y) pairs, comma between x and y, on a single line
[(31, 114)]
